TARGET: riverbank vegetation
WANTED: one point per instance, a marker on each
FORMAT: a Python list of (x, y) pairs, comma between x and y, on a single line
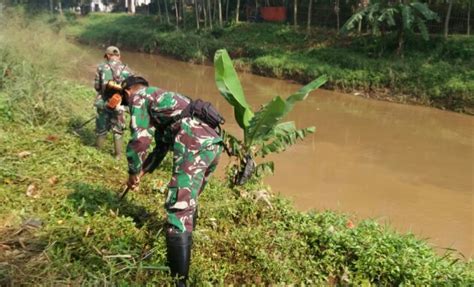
[(61, 222)]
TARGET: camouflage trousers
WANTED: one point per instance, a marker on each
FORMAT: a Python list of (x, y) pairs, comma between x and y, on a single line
[(191, 171), (107, 120)]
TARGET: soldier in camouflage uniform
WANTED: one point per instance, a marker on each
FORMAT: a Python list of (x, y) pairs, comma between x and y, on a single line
[(196, 147), (108, 78)]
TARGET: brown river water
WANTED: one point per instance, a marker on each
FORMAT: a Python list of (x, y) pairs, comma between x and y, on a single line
[(406, 165)]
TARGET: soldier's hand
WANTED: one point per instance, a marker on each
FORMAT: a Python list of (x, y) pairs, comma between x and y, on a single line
[(133, 181)]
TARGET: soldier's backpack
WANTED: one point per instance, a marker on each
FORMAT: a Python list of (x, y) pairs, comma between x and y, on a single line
[(114, 85), (204, 111)]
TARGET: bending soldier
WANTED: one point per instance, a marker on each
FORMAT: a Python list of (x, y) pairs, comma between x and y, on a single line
[(190, 130), (108, 78)]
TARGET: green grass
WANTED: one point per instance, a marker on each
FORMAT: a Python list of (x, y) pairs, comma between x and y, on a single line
[(437, 72), (75, 231)]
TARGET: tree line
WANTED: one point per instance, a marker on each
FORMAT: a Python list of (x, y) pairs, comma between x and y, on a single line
[(301, 13)]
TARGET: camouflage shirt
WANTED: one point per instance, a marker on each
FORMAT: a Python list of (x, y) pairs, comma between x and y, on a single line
[(110, 70), (153, 113)]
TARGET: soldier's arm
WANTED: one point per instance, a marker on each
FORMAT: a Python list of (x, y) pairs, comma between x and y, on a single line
[(98, 79), (155, 158), (142, 135)]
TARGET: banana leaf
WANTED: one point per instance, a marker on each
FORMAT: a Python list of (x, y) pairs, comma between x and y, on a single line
[(285, 135), (265, 120), (230, 88)]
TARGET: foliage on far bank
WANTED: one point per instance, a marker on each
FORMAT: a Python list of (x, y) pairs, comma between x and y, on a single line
[(436, 72), (384, 16), (61, 222)]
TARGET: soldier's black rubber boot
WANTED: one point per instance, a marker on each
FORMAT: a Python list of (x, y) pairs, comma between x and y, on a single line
[(100, 140), (118, 146), (179, 255)]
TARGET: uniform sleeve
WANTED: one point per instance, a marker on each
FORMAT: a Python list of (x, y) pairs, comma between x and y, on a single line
[(159, 152), (98, 79), (142, 135)]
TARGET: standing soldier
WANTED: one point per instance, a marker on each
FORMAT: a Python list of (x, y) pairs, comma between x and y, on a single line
[(108, 78), (190, 129)]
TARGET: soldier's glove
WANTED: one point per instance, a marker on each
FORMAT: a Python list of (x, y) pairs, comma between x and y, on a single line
[(114, 101)]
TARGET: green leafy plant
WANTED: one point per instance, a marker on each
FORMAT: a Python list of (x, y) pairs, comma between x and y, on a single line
[(384, 15), (263, 132)]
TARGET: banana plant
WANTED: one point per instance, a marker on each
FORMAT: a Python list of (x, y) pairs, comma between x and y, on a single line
[(402, 17), (263, 131)]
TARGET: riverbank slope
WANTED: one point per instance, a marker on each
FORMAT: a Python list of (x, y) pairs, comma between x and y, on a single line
[(437, 72), (62, 223)]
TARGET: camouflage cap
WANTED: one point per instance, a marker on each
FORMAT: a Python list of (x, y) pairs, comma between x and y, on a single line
[(112, 50)]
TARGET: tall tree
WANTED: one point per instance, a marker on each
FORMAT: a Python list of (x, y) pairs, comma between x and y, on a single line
[(204, 11), (227, 10), (237, 11), (196, 13), (160, 14), (209, 12), (131, 6), (220, 12), (310, 9), (469, 3), (446, 20), (60, 8), (176, 13), (295, 12), (336, 10), (166, 12), (183, 11)]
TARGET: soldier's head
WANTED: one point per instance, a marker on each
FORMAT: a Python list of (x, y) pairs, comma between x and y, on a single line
[(112, 53), (131, 85)]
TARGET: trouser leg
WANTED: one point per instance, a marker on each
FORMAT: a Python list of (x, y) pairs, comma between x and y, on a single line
[(189, 173), (118, 146), (100, 140), (100, 128)]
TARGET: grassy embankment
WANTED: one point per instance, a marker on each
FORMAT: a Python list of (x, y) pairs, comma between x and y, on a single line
[(70, 228), (437, 72)]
